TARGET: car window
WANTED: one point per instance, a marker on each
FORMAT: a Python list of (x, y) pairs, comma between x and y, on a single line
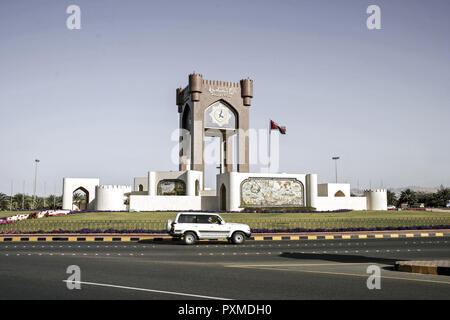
[(215, 219), (203, 219), (187, 218), (208, 219)]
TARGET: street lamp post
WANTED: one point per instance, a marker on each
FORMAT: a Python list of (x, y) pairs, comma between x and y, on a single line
[(335, 166), (35, 180)]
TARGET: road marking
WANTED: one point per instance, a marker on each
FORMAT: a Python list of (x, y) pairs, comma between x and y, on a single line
[(293, 265), (344, 274), (146, 290)]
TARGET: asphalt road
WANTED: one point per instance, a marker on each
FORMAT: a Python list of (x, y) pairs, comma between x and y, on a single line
[(317, 269)]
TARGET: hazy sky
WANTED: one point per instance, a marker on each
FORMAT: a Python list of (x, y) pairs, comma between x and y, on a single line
[(100, 101)]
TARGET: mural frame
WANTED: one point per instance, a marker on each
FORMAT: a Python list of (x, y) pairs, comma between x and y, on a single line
[(158, 187), (295, 180)]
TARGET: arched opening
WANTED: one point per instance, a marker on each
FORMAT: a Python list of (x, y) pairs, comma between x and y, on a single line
[(80, 199), (186, 122), (141, 187), (220, 124), (197, 188), (185, 138), (223, 198), (339, 194), (221, 115)]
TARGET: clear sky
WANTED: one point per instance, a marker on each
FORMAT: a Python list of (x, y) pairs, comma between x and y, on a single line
[(100, 101)]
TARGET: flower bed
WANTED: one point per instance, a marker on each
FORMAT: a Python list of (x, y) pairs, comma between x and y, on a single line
[(34, 215)]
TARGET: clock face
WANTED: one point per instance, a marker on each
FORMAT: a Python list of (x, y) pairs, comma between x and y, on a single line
[(220, 115)]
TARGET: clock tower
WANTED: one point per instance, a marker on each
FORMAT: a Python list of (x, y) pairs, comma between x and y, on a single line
[(210, 108)]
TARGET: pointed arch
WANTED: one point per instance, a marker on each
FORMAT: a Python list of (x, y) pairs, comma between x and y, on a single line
[(82, 204), (339, 193), (223, 198), (197, 187), (230, 120)]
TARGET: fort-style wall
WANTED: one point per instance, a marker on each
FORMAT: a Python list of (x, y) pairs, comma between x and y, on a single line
[(172, 203), (337, 203), (376, 199), (111, 198)]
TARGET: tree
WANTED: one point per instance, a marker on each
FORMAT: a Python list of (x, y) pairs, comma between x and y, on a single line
[(407, 196), (426, 198), (391, 198), (79, 199), (53, 202), (442, 196), (4, 201)]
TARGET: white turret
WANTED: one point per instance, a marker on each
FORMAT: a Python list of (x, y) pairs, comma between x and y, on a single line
[(111, 198), (376, 199)]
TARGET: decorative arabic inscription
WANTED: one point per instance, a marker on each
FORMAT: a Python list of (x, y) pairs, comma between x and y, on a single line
[(272, 192), (222, 92)]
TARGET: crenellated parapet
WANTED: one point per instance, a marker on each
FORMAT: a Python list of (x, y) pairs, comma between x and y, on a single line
[(221, 89)]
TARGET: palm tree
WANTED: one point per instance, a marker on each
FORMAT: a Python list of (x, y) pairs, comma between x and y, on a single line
[(408, 196), (18, 201), (4, 201), (54, 202), (79, 199), (391, 197)]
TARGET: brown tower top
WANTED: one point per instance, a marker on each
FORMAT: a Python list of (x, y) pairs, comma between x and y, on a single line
[(220, 89), (214, 109)]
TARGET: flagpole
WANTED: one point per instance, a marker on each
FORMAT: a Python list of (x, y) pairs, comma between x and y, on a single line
[(270, 146)]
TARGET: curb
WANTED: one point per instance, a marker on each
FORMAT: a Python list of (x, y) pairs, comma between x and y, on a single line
[(256, 237), (424, 267)]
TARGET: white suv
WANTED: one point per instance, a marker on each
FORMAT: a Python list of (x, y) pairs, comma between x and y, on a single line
[(195, 226)]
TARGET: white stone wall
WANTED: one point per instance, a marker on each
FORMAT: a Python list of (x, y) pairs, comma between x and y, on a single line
[(72, 184), (311, 190), (189, 177), (111, 198), (172, 203), (140, 181), (330, 189), (338, 203)]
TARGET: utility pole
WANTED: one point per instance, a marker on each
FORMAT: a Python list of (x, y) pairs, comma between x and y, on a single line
[(36, 161), (45, 192), (10, 199), (335, 166), (23, 195), (54, 197)]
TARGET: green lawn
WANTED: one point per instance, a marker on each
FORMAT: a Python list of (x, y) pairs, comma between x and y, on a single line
[(12, 213), (312, 220)]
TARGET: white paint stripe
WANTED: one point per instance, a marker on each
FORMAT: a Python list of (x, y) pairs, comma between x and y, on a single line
[(146, 290)]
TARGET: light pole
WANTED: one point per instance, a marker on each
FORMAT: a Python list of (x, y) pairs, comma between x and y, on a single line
[(335, 166), (11, 198), (35, 180), (23, 195)]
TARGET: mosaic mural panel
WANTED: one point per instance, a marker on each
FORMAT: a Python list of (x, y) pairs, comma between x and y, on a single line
[(272, 192), (171, 188)]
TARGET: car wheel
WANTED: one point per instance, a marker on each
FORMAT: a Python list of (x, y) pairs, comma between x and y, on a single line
[(238, 238), (189, 238)]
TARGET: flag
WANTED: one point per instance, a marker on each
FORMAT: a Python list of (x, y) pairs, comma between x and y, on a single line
[(274, 126)]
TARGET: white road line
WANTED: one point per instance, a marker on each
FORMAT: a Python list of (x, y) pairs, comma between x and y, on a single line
[(147, 290)]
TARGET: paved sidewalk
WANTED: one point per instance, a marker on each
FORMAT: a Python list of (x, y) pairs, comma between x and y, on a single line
[(254, 237), (441, 267)]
